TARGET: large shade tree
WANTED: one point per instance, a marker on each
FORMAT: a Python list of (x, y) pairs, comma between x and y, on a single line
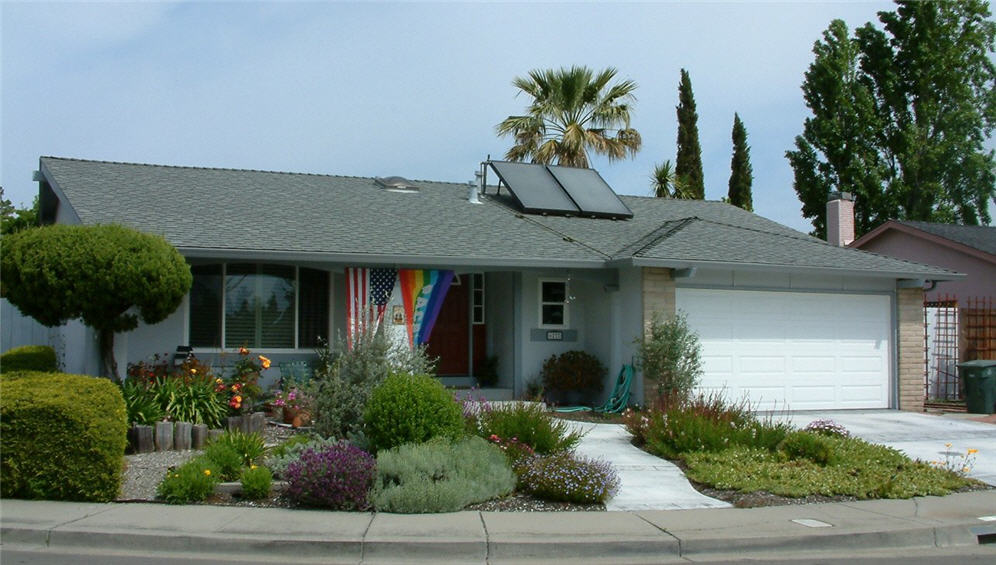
[(574, 110), (900, 116), (109, 277)]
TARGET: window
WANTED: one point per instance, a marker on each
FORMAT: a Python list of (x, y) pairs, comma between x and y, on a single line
[(478, 298), (258, 305), (553, 303)]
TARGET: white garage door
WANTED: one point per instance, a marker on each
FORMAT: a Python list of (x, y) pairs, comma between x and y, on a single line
[(793, 350)]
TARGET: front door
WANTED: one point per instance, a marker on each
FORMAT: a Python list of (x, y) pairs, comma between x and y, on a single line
[(448, 340)]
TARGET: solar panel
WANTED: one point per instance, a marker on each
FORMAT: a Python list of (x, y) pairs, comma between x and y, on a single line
[(590, 192), (536, 190)]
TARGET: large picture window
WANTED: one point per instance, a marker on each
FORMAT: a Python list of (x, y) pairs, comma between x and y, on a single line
[(258, 305)]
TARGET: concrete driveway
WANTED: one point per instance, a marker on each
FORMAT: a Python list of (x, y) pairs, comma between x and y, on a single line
[(920, 436)]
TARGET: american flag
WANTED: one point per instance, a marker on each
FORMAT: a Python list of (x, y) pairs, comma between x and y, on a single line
[(367, 293)]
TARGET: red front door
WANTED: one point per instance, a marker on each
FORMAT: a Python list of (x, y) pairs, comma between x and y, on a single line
[(448, 340)]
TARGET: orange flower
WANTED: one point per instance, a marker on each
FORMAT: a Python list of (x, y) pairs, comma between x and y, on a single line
[(264, 361), (237, 399), (972, 451), (243, 350)]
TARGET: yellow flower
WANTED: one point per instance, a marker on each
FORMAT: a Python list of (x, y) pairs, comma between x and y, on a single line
[(218, 381), (972, 451), (252, 466), (964, 469), (207, 472), (947, 445), (193, 371), (264, 361)]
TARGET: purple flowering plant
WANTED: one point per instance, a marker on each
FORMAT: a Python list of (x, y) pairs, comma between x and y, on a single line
[(337, 477), (568, 477)]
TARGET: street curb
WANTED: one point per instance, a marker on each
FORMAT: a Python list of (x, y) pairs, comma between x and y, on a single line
[(489, 549)]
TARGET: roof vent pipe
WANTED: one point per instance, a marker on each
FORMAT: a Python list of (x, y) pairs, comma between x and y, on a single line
[(475, 188)]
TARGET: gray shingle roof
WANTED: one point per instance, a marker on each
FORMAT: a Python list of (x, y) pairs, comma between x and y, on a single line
[(225, 211), (982, 238)]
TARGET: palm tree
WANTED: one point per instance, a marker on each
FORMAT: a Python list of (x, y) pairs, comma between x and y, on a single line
[(666, 184), (572, 111)]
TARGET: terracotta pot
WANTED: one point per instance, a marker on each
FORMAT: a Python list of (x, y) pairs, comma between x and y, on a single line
[(296, 417)]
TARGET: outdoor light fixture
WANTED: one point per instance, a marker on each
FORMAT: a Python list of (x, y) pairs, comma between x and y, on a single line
[(183, 352)]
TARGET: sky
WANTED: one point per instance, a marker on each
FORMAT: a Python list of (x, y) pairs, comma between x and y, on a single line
[(380, 89)]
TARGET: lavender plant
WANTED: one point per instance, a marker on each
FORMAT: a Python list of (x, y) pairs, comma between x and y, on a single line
[(337, 477)]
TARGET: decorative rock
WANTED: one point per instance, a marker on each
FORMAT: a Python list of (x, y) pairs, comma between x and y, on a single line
[(181, 436), (164, 436), (198, 435)]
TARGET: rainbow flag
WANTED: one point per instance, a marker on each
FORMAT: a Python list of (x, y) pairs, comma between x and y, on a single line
[(422, 293)]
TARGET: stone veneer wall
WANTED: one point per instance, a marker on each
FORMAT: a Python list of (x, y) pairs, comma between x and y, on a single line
[(912, 369), (658, 296)]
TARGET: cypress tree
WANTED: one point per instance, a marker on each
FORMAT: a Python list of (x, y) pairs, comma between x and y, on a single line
[(688, 165), (741, 173)]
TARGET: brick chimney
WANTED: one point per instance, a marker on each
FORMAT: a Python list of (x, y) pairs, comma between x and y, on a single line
[(840, 218)]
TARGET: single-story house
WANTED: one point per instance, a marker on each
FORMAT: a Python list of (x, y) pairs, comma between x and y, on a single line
[(544, 260)]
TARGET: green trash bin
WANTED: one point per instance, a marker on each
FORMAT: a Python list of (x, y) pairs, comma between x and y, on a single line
[(980, 385)]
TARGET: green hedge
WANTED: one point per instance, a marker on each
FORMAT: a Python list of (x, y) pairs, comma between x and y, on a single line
[(29, 358), (62, 437)]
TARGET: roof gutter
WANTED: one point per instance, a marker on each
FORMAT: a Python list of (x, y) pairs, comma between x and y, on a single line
[(366, 259), (767, 267)]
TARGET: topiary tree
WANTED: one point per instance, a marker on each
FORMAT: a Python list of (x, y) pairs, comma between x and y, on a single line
[(107, 276)]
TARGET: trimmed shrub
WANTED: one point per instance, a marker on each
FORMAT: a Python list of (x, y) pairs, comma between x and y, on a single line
[(62, 437), (39, 358), (568, 477), (807, 445), (531, 425), (193, 481), (256, 482), (337, 477), (344, 378), (573, 370), (439, 476), (291, 449), (411, 409)]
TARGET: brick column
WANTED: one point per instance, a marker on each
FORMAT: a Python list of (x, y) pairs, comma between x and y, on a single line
[(658, 296), (911, 372)]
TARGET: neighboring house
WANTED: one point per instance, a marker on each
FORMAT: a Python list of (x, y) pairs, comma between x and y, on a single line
[(783, 317), (965, 249), (961, 314)]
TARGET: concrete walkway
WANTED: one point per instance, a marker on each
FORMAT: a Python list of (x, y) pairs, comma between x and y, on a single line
[(647, 482), (652, 536), (920, 436)]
